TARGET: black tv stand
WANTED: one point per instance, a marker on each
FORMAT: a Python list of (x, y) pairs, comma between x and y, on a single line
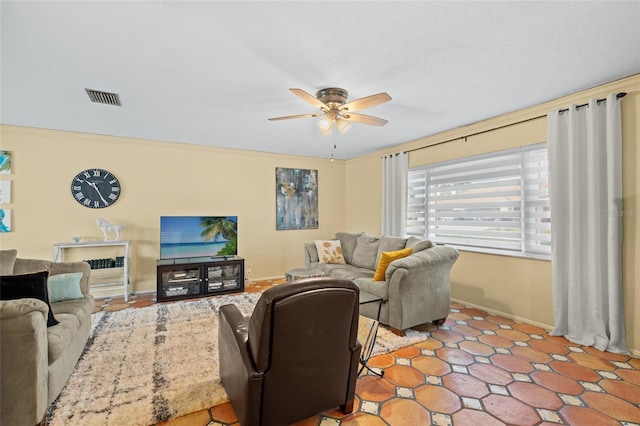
[(185, 278)]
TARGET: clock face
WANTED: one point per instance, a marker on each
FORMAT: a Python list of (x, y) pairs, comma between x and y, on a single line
[(95, 188)]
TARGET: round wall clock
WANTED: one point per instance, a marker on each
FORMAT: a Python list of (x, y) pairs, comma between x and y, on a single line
[(95, 188)]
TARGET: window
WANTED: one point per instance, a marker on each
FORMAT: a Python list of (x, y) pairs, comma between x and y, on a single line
[(496, 203)]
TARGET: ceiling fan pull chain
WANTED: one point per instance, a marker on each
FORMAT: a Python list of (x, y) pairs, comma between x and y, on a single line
[(333, 140)]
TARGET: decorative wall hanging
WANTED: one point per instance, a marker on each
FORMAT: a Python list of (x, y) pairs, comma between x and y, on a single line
[(95, 188), (296, 199), (5, 162), (5, 191), (5, 220)]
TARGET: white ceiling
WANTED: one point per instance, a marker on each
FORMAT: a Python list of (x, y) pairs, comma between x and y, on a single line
[(211, 73)]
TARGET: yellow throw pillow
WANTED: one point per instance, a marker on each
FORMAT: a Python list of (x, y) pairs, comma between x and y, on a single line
[(329, 251), (386, 258)]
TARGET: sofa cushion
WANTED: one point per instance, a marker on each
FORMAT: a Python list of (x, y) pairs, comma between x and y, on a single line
[(343, 270), (71, 315), (418, 245), (7, 260), (329, 251), (27, 266), (348, 242), (379, 288), (24, 286), (311, 251), (59, 336), (386, 258), (389, 243), (65, 287), (366, 251)]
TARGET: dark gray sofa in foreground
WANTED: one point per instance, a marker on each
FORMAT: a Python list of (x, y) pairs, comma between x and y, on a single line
[(416, 288)]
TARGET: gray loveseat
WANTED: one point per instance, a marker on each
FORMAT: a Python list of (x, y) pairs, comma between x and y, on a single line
[(37, 360), (416, 288)]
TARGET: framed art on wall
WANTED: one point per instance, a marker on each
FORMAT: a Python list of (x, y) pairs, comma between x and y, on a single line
[(296, 199), (5, 220), (5, 162), (5, 191)]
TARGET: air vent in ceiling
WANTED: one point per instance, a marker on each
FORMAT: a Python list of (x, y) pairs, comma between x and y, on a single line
[(101, 97)]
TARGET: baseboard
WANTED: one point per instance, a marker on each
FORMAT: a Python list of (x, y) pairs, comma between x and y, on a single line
[(504, 314), (277, 277), (144, 291), (635, 353)]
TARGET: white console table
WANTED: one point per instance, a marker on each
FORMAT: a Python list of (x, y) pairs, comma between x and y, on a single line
[(124, 282)]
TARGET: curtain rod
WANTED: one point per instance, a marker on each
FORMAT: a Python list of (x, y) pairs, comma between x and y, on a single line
[(619, 96)]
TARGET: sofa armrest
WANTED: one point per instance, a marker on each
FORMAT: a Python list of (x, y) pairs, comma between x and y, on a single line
[(23, 361), (21, 308), (241, 380), (433, 257), (420, 280)]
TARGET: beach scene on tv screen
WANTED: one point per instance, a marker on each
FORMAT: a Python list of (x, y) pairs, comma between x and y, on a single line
[(195, 236)]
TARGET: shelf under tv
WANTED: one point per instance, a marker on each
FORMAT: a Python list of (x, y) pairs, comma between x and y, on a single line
[(204, 276)]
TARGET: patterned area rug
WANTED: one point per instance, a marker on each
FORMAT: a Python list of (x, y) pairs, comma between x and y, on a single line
[(144, 366)]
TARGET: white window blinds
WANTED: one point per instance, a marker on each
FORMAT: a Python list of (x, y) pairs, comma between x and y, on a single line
[(493, 202)]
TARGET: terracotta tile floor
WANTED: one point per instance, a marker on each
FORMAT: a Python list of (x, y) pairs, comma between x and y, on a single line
[(477, 369)]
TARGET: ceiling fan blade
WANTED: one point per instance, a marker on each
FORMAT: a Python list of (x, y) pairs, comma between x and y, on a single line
[(310, 98), (366, 102), (365, 119), (288, 117)]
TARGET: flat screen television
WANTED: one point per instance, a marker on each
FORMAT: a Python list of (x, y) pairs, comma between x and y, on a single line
[(198, 236)]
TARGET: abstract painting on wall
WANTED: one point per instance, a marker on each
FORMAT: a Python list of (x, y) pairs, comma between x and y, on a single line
[(5, 162), (5, 191), (5, 220), (296, 199)]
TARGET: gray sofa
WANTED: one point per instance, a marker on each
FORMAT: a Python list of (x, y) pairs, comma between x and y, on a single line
[(416, 288), (37, 360)]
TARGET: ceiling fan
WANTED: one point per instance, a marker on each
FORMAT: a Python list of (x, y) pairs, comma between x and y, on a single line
[(332, 101)]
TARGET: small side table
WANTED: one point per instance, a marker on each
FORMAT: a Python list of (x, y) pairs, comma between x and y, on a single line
[(299, 273), (367, 333), (366, 297), (124, 278)]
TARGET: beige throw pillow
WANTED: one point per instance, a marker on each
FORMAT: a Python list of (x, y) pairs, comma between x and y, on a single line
[(329, 251)]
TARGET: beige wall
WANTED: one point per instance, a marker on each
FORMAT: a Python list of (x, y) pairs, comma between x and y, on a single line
[(158, 179), (364, 183), (518, 287), (163, 179)]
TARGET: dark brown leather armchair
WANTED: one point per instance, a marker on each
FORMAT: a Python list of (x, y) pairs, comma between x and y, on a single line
[(296, 356)]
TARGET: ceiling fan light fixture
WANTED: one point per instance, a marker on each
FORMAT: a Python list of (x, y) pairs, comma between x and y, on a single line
[(337, 113), (325, 123), (326, 132), (343, 126)]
